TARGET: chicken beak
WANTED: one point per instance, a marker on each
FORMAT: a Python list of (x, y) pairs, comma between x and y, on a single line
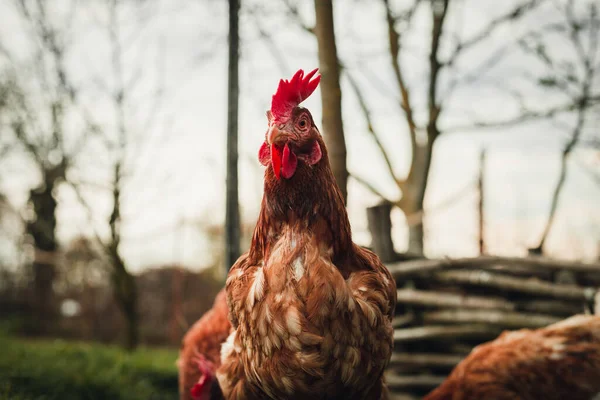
[(273, 133), (275, 139)]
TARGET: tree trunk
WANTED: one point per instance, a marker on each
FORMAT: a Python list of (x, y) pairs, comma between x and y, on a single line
[(126, 294), (331, 94), (415, 189), (415, 238), (232, 211), (380, 226), (419, 174), (43, 231), (124, 284)]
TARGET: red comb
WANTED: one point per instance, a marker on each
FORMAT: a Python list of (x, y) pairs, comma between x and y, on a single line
[(293, 92)]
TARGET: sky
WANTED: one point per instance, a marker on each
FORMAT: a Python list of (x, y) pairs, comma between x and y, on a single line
[(176, 155)]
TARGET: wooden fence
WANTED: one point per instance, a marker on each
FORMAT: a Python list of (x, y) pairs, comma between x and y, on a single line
[(448, 306)]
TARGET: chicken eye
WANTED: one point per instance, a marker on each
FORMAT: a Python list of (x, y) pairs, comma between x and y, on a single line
[(303, 123)]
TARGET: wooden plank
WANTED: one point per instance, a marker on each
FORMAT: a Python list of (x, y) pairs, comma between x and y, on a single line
[(446, 332)]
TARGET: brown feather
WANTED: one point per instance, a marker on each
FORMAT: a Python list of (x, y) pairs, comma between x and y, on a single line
[(205, 338), (561, 361), (312, 311)]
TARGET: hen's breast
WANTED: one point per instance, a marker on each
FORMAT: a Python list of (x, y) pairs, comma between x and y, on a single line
[(304, 329)]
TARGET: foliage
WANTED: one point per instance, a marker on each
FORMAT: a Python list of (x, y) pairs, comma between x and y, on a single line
[(61, 370)]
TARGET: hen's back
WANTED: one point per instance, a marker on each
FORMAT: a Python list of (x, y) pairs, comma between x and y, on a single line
[(561, 361)]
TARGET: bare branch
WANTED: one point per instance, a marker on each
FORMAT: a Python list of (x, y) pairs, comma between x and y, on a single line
[(475, 73), (370, 127), (417, 217), (296, 14), (485, 33), (525, 117), (439, 11), (271, 45), (89, 214), (394, 43), (369, 186), (574, 29), (591, 172), (585, 87), (19, 130), (5, 150), (25, 121), (562, 176), (418, 175)]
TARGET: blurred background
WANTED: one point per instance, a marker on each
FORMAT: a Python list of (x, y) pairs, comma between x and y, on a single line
[(465, 127)]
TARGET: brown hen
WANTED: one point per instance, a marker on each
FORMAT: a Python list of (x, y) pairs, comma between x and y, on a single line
[(311, 311), (200, 353), (559, 362)]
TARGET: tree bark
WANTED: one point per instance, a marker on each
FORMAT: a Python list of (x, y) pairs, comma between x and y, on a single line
[(419, 176), (126, 295), (415, 238), (124, 284), (331, 95), (43, 231), (380, 226), (232, 210)]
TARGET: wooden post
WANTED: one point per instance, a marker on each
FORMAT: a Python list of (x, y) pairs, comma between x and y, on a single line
[(481, 208), (380, 226), (232, 210)]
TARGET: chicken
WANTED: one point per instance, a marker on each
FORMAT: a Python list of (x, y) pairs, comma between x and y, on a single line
[(200, 353), (561, 361), (311, 311)]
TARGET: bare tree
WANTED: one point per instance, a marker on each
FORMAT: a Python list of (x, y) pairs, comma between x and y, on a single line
[(120, 138), (40, 132), (331, 94), (55, 149), (423, 118), (124, 286), (577, 82)]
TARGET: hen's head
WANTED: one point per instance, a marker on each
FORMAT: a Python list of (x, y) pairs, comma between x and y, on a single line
[(207, 383), (292, 136)]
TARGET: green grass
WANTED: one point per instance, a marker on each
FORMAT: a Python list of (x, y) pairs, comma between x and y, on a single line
[(55, 369)]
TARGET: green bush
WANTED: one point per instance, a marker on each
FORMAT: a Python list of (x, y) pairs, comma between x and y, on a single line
[(55, 369)]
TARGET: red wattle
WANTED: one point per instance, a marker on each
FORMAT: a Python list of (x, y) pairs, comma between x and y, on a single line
[(264, 154), (198, 390), (276, 160), (289, 162)]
